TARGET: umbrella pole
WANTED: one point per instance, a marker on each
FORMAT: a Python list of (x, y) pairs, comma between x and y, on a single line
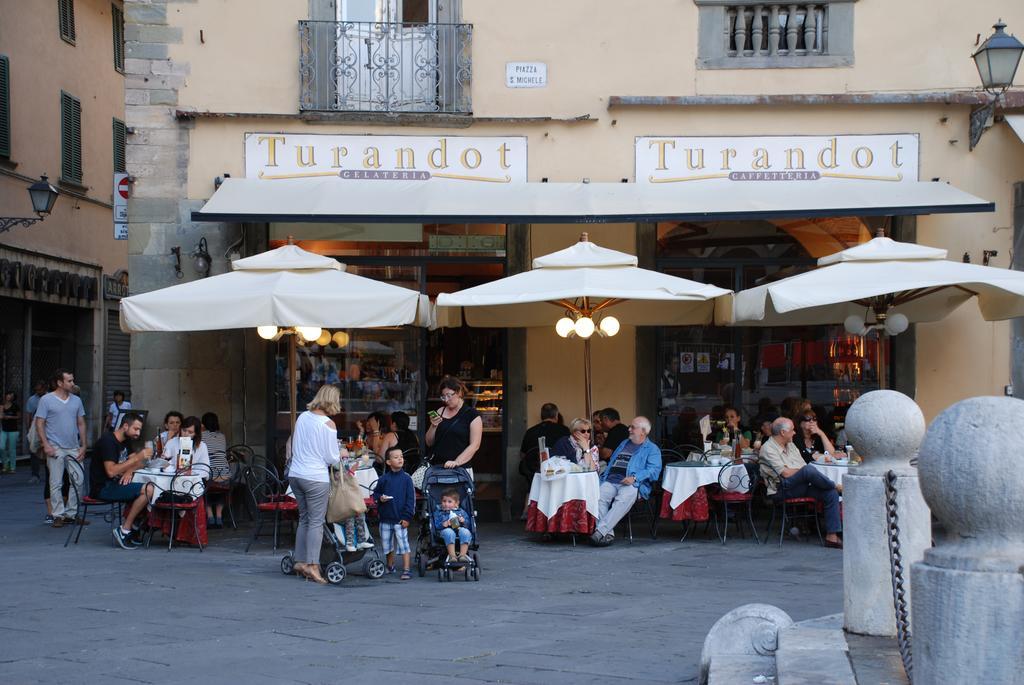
[(882, 380), (587, 387), (293, 383)]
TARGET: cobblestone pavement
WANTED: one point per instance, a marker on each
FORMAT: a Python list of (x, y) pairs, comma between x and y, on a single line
[(543, 612)]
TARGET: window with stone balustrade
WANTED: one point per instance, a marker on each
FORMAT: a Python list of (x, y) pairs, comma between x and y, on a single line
[(737, 35)]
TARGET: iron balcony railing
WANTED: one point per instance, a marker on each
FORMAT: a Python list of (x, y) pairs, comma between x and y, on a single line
[(356, 66)]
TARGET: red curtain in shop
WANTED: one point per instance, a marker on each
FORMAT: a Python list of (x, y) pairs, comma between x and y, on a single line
[(815, 350)]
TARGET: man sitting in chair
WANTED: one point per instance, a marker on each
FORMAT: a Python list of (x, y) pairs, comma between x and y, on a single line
[(633, 466), (787, 475), (110, 475)]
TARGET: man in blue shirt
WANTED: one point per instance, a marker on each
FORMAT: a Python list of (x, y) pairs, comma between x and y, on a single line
[(632, 468), (60, 424), (31, 404)]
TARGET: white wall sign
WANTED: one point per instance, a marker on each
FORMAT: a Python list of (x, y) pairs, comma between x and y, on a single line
[(526, 74), (273, 156), (678, 159), (122, 189)]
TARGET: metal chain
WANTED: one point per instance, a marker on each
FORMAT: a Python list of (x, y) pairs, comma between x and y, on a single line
[(899, 594)]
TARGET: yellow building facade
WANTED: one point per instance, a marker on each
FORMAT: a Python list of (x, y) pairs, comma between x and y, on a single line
[(469, 93), (61, 278)]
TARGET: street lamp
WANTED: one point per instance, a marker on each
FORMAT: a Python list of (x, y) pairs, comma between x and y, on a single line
[(42, 195), (997, 60)]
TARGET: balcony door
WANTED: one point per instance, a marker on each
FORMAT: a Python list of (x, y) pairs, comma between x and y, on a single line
[(387, 54)]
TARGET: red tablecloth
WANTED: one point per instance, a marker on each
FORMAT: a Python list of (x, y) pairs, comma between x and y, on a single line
[(694, 508), (571, 517), (184, 531)]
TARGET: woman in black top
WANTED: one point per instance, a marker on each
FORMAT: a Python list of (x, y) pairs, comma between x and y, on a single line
[(456, 430), (810, 439), (10, 431)]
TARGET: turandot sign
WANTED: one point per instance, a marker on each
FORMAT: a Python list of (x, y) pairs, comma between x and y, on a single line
[(272, 156), (678, 159)]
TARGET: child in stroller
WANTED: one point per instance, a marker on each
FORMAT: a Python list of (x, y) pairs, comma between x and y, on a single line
[(451, 523), (341, 550), (334, 558), (448, 518)]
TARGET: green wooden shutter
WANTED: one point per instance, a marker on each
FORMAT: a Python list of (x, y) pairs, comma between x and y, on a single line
[(117, 18), (5, 107), (119, 143), (66, 16), (70, 138)]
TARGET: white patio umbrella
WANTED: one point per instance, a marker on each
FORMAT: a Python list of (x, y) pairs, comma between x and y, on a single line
[(583, 281), (286, 291), (881, 284)]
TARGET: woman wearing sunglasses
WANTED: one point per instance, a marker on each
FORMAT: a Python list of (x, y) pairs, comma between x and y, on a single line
[(578, 446), (811, 440)]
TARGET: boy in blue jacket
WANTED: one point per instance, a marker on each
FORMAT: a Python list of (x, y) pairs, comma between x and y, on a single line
[(451, 522), (396, 504)]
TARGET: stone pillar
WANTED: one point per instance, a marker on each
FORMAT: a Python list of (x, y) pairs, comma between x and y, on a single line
[(969, 611), (886, 428)]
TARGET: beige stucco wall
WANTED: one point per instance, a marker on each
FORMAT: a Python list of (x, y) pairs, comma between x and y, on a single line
[(595, 50), (41, 65), (554, 366)]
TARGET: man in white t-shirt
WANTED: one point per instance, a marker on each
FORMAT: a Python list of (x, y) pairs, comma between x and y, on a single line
[(118, 407), (60, 424)]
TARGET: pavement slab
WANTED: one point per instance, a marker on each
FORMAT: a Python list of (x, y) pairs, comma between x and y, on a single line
[(543, 612)]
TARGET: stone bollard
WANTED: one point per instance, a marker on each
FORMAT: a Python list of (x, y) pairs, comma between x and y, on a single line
[(885, 427), (968, 614)]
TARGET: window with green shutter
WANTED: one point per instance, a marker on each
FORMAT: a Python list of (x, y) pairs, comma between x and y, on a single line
[(120, 166), (5, 107), (70, 138), (117, 17), (66, 16)]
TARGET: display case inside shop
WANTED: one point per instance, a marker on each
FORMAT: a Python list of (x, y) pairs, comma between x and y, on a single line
[(488, 398), (373, 370)]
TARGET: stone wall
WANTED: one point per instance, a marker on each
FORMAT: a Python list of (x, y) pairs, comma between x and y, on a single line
[(191, 372)]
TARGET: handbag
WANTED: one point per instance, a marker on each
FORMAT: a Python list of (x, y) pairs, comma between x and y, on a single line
[(34, 442), (346, 498), (418, 475)]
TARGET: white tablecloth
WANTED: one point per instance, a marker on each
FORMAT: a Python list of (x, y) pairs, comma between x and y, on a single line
[(833, 471), (185, 484), (683, 481), (367, 477), (550, 495)]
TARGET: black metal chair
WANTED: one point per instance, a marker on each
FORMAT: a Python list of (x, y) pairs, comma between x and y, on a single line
[(226, 487), (647, 507), (268, 495), (736, 487), (184, 498), (112, 514), (791, 508)]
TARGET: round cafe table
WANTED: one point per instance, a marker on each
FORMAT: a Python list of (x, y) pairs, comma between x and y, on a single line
[(833, 471), (685, 498), (564, 505), (367, 476), (187, 528)]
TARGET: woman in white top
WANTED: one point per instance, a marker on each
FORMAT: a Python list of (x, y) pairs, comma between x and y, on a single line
[(191, 427), (314, 451)]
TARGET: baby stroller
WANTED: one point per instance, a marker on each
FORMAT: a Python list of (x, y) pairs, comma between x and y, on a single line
[(334, 558), (430, 548)]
